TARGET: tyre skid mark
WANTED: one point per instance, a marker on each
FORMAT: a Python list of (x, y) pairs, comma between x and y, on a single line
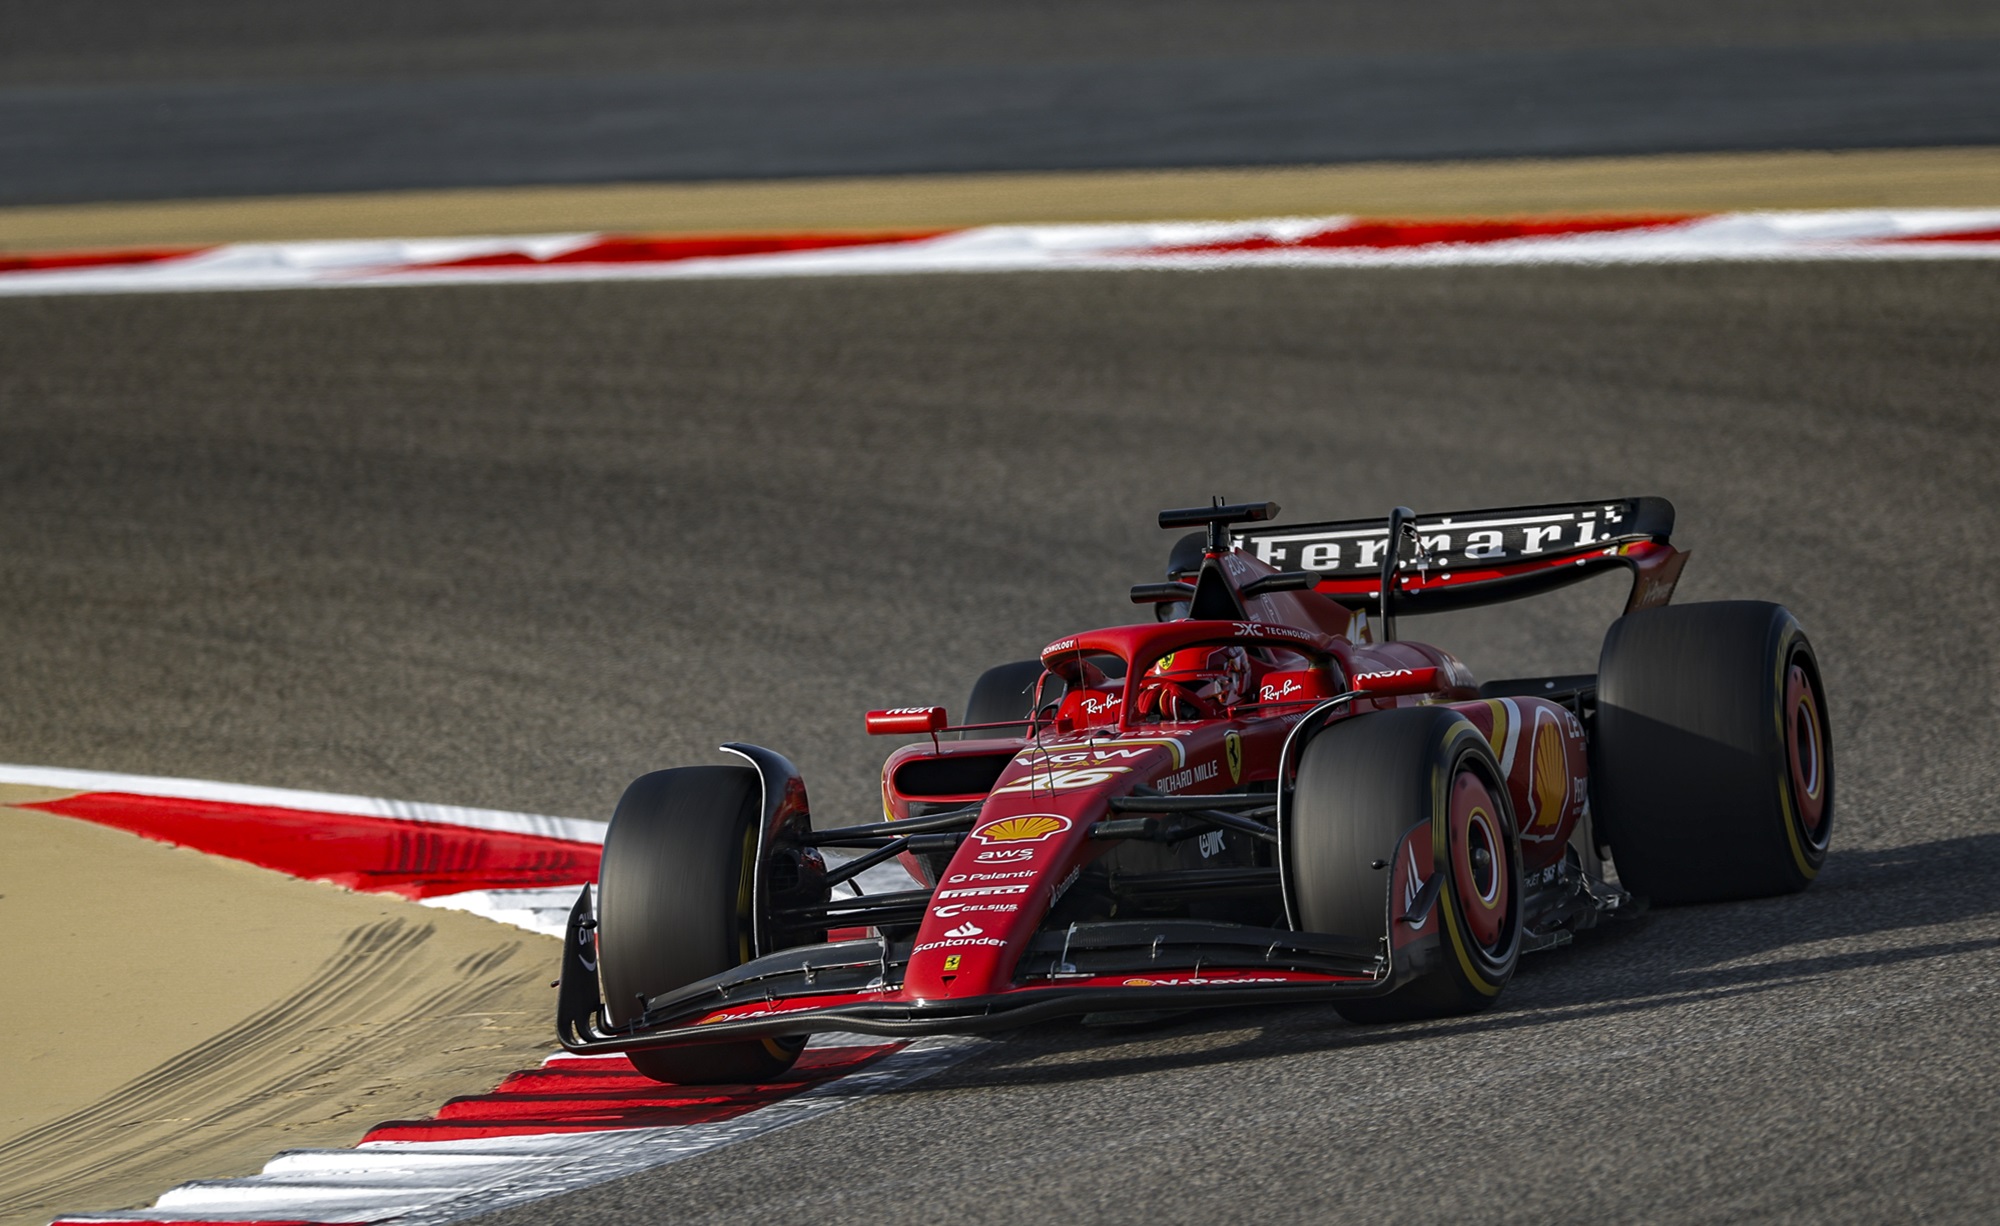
[(430, 1182)]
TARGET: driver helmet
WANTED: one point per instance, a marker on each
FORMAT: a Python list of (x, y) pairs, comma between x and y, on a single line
[(1195, 683)]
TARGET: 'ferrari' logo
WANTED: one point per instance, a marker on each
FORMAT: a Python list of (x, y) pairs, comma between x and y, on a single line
[(1232, 753)]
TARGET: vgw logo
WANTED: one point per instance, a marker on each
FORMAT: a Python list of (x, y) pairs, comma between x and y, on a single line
[(1062, 781)]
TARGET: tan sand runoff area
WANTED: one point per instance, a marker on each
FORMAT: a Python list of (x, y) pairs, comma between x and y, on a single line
[(1914, 178), (172, 1016)]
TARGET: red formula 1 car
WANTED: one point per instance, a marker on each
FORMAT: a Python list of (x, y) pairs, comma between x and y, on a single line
[(1261, 795)]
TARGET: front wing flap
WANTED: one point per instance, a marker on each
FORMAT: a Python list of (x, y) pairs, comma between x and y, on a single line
[(1088, 968)]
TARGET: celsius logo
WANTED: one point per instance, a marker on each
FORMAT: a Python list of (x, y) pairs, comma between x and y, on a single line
[(953, 908), (967, 929)]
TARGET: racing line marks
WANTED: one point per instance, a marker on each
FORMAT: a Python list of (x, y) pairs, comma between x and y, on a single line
[(248, 1080), (427, 1183)]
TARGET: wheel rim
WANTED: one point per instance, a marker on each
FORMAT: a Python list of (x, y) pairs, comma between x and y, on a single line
[(1479, 860), (1805, 749)]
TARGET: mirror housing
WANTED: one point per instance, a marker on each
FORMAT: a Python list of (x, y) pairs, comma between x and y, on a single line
[(907, 721)]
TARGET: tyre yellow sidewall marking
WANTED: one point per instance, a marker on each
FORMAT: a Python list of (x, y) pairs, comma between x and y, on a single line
[(1451, 921)]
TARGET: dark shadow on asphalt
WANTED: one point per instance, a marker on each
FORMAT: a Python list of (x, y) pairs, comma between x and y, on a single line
[(1664, 959)]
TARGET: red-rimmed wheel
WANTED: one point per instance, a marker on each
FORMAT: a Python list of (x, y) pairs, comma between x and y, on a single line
[(1712, 765), (1418, 782), (1805, 748), (1478, 860)]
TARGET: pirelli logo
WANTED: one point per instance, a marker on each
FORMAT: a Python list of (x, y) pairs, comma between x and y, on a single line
[(1357, 547)]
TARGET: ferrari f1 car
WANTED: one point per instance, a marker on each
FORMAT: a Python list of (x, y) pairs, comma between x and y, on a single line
[(1262, 794)]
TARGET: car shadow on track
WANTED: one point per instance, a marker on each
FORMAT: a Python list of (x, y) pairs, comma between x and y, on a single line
[(1664, 959)]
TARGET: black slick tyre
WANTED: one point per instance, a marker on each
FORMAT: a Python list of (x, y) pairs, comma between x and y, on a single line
[(1712, 762), (673, 906), (1006, 692), (1363, 784)]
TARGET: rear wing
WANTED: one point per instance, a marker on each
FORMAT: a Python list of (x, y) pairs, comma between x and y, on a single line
[(1472, 558)]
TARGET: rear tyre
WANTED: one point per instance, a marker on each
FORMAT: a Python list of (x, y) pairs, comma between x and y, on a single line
[(1712, 763), (673, 906), (1365, 783)]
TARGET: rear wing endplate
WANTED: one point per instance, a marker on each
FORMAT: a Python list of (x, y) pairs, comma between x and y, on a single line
[(1472, 558)]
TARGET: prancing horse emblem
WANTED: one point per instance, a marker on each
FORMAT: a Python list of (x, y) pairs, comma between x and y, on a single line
[(1232, 753)]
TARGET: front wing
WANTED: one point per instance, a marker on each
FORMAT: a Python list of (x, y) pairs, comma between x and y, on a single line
[(1114, 966)]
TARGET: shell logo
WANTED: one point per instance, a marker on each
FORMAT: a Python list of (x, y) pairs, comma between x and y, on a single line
[(1028, 828), (1551, 780), (1141, 983)]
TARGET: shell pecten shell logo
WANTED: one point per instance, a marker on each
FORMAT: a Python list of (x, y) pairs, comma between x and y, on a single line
[(1551, 778), (1026, 828)]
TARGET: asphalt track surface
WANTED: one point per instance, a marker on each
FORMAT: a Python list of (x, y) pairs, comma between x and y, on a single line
[(111, 100), (511, 547)]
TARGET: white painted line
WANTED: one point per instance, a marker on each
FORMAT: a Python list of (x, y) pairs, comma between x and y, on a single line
[(544, 909), (575, 829)]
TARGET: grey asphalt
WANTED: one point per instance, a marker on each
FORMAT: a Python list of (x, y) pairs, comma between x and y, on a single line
[(511, 547), (111, 100), (161, 141)]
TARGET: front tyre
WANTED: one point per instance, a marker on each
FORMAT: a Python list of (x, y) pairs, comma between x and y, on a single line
[(1712, 763), (673, 904), (1006, 692), (1363, 784)]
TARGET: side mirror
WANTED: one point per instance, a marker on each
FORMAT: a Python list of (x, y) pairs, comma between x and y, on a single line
[(1397, 682), (907, 721)]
